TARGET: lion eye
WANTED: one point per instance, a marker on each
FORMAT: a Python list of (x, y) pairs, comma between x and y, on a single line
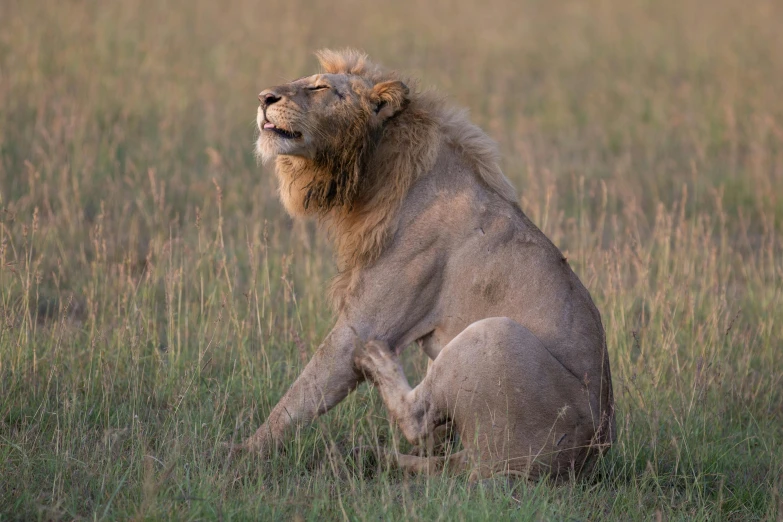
[(318, 87)]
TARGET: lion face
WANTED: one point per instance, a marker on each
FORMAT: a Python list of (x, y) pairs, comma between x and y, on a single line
[(322, 132), (293, 119), (311, 117)]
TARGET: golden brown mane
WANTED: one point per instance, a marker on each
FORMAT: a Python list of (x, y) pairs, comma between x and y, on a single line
[(357, 188)]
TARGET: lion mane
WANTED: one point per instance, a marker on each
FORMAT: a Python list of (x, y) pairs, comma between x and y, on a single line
[(358, 179)]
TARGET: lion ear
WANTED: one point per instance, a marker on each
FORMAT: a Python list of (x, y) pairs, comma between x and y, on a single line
[(389, 98)]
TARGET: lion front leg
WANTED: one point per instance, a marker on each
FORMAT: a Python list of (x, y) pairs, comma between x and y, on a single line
[(413, 409), (326, 380)]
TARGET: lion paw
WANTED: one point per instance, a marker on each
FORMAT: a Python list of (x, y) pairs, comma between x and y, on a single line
[(374, 358)]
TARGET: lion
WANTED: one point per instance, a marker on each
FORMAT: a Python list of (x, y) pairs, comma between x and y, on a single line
[(432, 248)]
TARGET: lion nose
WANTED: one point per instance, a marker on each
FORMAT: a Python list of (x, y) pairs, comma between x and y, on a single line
[(268, 97)]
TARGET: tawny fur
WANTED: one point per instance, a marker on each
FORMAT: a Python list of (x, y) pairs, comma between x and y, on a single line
[(485, 383), (430, 240)]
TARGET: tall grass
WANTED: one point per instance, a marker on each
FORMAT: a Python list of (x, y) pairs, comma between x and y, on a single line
[(155, 301)]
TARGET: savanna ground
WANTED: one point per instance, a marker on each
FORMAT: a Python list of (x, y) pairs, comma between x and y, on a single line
[(155, 301)]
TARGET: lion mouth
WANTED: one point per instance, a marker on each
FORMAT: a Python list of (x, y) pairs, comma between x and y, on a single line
[(289, 135)]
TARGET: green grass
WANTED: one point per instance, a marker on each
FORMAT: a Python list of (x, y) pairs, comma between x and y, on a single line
[(155, 301)]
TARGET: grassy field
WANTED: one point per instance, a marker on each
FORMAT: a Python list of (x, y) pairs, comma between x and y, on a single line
[(155, 300)]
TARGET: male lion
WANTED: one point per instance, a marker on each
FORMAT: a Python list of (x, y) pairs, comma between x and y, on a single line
[(432, 247)]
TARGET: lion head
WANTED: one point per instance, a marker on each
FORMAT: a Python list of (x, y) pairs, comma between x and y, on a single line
[(323, 130)]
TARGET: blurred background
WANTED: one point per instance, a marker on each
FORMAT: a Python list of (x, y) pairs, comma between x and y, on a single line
[(140, 242), (648, 96)]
